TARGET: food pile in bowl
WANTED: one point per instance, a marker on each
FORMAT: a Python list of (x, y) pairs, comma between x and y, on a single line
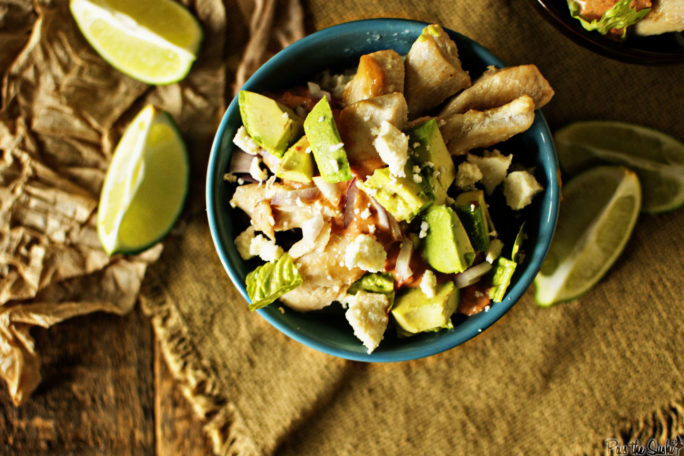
[(387, 190)]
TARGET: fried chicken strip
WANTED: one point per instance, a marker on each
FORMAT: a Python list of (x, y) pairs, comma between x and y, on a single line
[(497, 87), (463, 132), (379, 73), (359, 124), (433, 71)]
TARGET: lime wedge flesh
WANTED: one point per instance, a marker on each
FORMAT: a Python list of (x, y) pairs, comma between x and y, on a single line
[(598, 212), (153, 41), (145, 185), (657, 158)]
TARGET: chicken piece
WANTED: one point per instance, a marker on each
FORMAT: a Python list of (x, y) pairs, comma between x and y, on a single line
[(496, 87), (379, 73), (666, 16), (291, 217), (359, 124), (324, 277), (433, 71), (253, 199), (463, 132)]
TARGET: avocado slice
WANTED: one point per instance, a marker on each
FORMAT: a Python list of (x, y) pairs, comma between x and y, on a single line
[(375, 282), (402, 197), (297, 164), (414, 312), (477, 197), (474, 221), (326, 143), (447, 246), (429, 150), (270, 124)]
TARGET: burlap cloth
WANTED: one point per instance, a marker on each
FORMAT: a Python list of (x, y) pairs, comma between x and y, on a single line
[(540, 381)]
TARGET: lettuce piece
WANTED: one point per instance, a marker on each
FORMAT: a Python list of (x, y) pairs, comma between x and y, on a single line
[(270, 281), (620, 16), (501, 278)]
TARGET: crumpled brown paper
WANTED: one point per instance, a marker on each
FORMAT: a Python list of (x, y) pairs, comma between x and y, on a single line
[(62, 110)]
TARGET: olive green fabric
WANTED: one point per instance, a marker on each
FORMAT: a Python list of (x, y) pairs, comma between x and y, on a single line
[(559, 380)]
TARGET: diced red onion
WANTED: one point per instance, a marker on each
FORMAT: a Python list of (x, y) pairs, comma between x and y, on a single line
[(294, 197), (383, 217), (472, 274), (349, 200), (394, 227), (331, 192), (271, 161), (240, 162), (402, 266)]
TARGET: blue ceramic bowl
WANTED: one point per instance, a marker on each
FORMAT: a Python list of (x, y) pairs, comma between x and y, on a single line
[(338, 48)]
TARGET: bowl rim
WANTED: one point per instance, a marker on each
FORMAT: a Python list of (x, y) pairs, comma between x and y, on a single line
[(560, 18), (448, 340)]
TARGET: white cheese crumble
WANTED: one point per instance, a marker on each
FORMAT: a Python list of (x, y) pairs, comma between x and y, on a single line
[(365, 253), (367, 315), (334, 165), (316, 91), (245, 142), (467, 175), (248, 245), (493, 166), (242, 242), (392, 146), (519, 189), (423, 229), (428, 283), (336, 147), (417, 178)]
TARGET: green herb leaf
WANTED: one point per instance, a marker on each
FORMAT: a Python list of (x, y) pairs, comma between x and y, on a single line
[(620, 16)]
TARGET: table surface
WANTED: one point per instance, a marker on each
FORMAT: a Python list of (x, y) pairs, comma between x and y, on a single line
[(106, 389)]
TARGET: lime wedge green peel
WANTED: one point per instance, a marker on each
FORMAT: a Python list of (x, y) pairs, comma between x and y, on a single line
[(153, 41), (656, 158), (597, 215), (145, 186)]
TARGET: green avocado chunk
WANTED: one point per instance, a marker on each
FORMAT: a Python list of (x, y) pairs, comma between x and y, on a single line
[(297, 164), (447, 246), (473, 219), (476, 197), (375, 282), (402, 197), (430, 151), (269, 123), (415, 312), (326, 143)]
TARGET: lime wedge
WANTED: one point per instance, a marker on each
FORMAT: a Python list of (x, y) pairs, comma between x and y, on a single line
[(145, 185), (153, 41), (598, 210), (657, 158)]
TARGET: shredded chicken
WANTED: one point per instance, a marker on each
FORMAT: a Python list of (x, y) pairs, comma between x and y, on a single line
[(325, 278)]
